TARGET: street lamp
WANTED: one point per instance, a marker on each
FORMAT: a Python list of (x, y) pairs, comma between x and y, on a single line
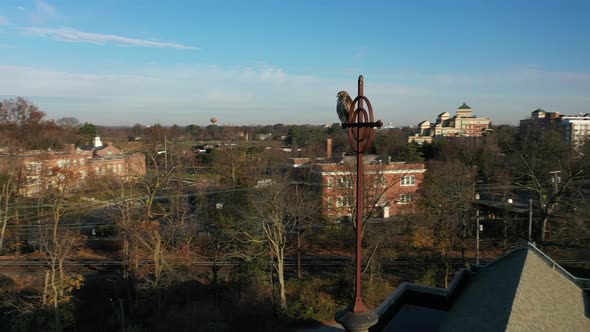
[(360, 128), (505, 232), (530, 233), (477, 225)]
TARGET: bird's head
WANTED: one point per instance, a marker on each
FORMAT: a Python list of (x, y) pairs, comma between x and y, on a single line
[(342, 94)]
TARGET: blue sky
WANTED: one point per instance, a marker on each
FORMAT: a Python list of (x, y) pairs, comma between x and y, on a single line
[(119, 62)]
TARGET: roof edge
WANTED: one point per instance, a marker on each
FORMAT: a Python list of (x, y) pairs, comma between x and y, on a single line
[(580, 282), (406, 290)]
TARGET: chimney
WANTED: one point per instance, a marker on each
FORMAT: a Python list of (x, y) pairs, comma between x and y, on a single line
[(329, 148)]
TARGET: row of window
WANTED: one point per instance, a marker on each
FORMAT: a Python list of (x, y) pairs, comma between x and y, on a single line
[(117, 169), (36, 166), (408, 180), (67, 162), (348, 201), (340, 202), (340, 183)]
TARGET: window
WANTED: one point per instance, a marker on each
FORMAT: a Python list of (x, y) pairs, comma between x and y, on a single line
[(406, 198), (33, 167), (330, 183), (345, 183), (380, 182), (344, 201), (409, 180), (330, 202)]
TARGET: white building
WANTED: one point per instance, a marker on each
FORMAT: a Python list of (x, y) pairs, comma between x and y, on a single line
[(576, 128), (463, 124)]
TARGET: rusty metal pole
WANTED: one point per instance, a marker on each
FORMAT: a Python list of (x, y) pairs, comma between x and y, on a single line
[(360, 135), (358, 300)]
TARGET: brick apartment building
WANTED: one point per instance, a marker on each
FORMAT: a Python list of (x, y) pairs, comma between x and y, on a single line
[(38, 170), (390, 187)]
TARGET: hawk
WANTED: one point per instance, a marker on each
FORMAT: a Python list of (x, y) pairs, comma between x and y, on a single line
[(343, 106)]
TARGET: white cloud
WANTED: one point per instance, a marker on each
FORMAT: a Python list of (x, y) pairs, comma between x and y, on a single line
[(172, 94), (536, 73), (43, 12), (20, 7), (265, 94), (75, 36)]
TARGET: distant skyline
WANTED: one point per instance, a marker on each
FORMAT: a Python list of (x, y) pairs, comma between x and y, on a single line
[(115, 62)]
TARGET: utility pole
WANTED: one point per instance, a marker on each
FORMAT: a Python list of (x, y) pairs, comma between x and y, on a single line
[(556, 180), (475, 198), (299, 277), (507, 208), (477, 236), (166, 152)]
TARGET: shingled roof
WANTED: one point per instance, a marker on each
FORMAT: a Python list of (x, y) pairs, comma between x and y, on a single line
[(524, 290)]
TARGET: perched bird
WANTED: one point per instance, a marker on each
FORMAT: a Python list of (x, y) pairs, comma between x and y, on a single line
[(343, 106)]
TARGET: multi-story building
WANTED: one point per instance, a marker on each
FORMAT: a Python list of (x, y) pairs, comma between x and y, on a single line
[(390, 188), (538, 123), (463, 124), (39, 170), (574, 128)]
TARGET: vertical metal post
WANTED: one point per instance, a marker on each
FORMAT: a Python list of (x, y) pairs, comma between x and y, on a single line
[(298, 252), (530, 219), (358, 301), (475, 198), (477, 236), (166, 152), (360, 127)]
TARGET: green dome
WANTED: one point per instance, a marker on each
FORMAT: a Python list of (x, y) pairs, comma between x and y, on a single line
[(464, 107)]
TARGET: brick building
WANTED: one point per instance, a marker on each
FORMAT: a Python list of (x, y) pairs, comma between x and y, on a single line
[(390, 187), (69, 168)]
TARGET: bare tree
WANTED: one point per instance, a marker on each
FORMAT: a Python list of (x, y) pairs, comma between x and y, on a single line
[(7, 194), (23, 125), (445, 205), (555, 182), (277, 207), (57, 242), (158, 224)]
